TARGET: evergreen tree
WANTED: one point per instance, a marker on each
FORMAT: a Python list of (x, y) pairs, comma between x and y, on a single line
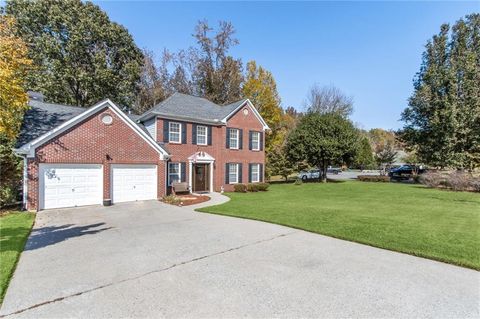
[(442, 121)]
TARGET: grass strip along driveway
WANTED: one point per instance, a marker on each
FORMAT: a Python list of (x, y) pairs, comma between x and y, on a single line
[(14, 230), (436, 224)]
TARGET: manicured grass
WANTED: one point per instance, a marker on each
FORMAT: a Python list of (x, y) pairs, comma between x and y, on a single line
[(436, 224), (14, 230)]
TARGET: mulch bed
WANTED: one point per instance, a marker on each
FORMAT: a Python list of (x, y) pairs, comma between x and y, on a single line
[(192, 199)]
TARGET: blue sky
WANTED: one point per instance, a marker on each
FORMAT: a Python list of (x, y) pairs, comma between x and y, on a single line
[(370, 50)]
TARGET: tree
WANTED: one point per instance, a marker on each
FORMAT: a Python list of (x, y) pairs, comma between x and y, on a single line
[(204, 70), (278, 163), (260, 87), (152, 84), (14, 65), (385, 155), (321, 140), (217, 75), (329, 99), (364, 155), (442, 120), (379, 137), (81, 56)]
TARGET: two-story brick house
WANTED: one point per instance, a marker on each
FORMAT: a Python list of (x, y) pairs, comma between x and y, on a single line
[(75, 156)]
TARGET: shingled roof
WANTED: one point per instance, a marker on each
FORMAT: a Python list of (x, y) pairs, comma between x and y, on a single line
[(42, 117), (198, 109)]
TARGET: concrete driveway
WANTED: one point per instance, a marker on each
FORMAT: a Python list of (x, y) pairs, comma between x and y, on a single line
[(147, 259)]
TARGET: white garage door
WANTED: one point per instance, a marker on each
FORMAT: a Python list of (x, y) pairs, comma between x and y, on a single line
[(68, 185), (134, 182)]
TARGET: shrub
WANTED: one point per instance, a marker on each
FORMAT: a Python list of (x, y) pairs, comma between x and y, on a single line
[(298, 182), (432, 179), (263, 187), (252, 187), (171, 199), (240, 188), (459, 181), (373, 178), (475, 185), (8, 196)]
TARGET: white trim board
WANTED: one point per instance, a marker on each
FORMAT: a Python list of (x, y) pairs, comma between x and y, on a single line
[(254, 110)]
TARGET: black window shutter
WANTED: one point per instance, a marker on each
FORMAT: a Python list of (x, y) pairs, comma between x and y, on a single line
[(261, 141), (168, 175), (183, 172), (194, 133), (227, 179), (249, 173), (240, 172), (209, 135), (250, 134), (228, 138), (260, 172), (184, 133), (165, 131), (240, 139)]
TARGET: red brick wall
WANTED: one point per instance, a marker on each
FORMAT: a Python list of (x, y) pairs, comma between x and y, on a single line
[(93, 142), (218, 150)]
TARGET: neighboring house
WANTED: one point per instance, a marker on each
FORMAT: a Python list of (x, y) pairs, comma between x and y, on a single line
[(76, 156)]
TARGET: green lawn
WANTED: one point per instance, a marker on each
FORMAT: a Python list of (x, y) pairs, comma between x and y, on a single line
[(14, 230), (436, 224)]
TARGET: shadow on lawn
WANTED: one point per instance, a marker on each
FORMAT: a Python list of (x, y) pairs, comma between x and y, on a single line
[(45, 236)]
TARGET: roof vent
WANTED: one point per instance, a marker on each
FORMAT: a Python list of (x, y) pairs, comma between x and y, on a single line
[(37, 96)]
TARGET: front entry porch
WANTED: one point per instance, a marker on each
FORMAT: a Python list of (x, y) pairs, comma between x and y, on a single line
[(200, 179)]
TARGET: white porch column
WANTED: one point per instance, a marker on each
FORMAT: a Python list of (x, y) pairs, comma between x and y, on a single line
[(211, 176), (190, 174)]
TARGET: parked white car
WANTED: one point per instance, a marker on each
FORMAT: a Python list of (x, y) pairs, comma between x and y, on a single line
[(310, 174)]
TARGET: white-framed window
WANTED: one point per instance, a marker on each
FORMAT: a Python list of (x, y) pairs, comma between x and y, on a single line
[(255, 173), (202, 133), (234, 136), (256, 141), (233, 173), (174, 132), (174, 174)]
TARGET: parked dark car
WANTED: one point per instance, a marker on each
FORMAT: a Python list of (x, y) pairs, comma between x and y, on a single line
[(405, 172), (334, 170)]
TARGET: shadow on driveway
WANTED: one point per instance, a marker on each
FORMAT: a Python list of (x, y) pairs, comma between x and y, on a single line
[(51, 235)]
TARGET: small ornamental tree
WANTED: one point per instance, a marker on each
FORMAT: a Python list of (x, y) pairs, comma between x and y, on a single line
[(364, 156), (321, 140), (279, 164)]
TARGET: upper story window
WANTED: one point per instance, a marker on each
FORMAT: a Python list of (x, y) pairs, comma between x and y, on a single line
[(234, 138), (174, 132), (256, 141), (202, 135)]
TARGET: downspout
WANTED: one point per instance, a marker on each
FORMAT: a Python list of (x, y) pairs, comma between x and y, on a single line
[(24, 181)]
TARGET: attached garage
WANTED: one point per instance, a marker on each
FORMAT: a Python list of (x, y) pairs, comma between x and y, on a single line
[(69, 185), (133, 182), (76, 157)]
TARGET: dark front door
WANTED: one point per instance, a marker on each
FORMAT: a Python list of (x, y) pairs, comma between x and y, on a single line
[(200, 180)]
